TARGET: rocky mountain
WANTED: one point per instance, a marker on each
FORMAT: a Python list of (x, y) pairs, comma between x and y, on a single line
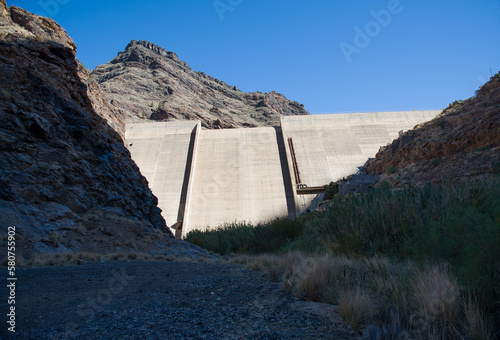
[(67, 182), (147, 81), (463, 142)]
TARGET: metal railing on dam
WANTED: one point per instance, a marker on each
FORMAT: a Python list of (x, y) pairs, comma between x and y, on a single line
[(204, 178)]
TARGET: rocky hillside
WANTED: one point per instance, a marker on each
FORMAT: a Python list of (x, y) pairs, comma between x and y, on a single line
[(67, 182), (463, 142), (146, 81)]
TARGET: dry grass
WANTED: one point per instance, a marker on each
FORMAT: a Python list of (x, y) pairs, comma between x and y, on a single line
[(379, 298), (480, 326), (56, 238), (279, 268), (437, 303), (43, 259), (311, 278), (131, 244), (357, 307)]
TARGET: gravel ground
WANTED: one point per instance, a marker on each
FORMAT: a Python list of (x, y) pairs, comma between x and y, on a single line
[(163, 300)]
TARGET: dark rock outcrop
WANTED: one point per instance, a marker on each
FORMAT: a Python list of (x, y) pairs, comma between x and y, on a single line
[(147, 80), (463, 142), (67, 182)]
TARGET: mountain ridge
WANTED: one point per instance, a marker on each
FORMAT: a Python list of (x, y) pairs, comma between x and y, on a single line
[(147, 81)]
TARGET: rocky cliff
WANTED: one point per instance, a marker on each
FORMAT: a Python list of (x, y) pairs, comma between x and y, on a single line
[(67, 182), (463, 142), (147, 81)]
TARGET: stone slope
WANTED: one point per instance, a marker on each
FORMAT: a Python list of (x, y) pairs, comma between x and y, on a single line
[(148, 79), (67, 182), (463, 142)]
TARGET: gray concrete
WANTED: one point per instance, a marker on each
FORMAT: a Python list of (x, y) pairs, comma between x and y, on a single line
[(330, 147), (204, 178), (162, 152), (238, 177)]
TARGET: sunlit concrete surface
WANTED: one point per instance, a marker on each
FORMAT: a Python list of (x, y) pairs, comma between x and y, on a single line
[(238, 177), (332, 146), (329, 147), (204, 178), (162, 152)]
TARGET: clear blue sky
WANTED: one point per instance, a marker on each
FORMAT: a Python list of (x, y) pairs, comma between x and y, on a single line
[(423, 55)]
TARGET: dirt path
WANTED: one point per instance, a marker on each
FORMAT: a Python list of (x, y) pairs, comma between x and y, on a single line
[(162, 300)]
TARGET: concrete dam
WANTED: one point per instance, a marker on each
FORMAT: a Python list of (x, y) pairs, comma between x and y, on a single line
[(204, 178)]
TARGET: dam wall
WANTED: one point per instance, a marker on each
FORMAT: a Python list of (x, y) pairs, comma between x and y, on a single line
[(205, 178), (164, 153), (332, 146), (238, 177)]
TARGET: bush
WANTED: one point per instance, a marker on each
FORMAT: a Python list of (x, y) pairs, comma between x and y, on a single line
[(495, 167), (331, 190), (391, 170), (435, 162), (244, 237), (454, 224), (356, 307)]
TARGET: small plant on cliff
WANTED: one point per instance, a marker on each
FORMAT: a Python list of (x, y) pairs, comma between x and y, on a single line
[(495, 167), (435, 162), (331, 190), (391, 170), (441, 123)]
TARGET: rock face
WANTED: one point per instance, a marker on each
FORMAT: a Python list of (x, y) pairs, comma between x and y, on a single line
[(146, 81), (463, 142), (67, 182)]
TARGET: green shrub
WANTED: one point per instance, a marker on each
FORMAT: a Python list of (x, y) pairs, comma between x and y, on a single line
[(384, 185), (483, 148), (435, 162), (495, 167), (244, 237), (331, 190), (441, 123), (391, 170), (455, 224)]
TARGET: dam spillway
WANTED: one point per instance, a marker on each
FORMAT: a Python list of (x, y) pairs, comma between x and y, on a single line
[(204, 178)]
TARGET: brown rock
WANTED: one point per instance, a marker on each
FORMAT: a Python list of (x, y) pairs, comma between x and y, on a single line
[(461, 143), (146, 74), (3, 8), (44, 29), (63, 167)]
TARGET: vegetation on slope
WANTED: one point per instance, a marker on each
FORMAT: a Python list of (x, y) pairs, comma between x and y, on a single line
[(441, 239)]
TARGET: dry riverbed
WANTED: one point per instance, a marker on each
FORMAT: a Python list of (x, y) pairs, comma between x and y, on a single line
[(163, 300)]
